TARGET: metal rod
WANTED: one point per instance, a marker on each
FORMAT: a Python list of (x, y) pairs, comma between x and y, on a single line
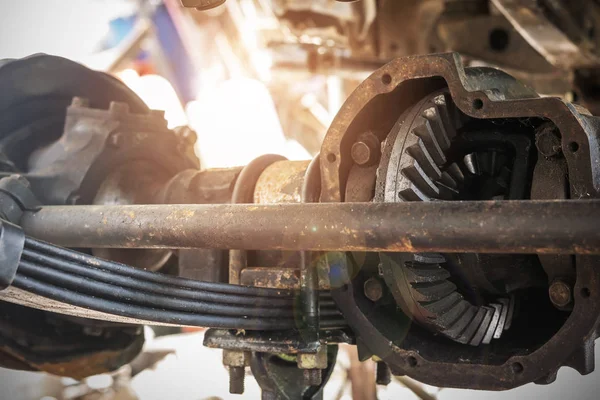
[(563, 226), (309, 278)]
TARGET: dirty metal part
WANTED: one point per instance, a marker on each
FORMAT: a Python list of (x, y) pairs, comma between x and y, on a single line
[(276, 342), (236, 361), (547, 39), (34, 340), (309, 286), (281, 182), (212, 186), (478, 92), (278, 278), (373, 289), (243, 192), (461, 226), (496, 43), (137, 182), (283, 380), (433, 155), (366, 150), (237, 377), (547, 141), (560, 294), (406, 354)]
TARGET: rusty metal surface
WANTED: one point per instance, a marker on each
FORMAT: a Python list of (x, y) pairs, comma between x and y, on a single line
[(485, 226), (571, 346), (243, 192), (481, 93), (278, 278), (281, 182), (547, 39), (31, 340)]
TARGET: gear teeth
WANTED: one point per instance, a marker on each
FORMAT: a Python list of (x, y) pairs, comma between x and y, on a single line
[(417, 177), (448, 181), (429, 258), (443, 305), (462, 323), (456, 173), (426, 176), (438, 127), (412, 193), (425, 273), (448, 113), (428, 292), (483, 327), (470, 330), (419, 152), (446, 193), (489, 334), (425, 131), (504, 303)]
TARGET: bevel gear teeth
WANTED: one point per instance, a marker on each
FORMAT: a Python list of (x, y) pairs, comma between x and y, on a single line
[(426, 175)]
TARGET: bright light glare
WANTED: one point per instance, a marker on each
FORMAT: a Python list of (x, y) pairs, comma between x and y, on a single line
[(158, 94), (237, 122)]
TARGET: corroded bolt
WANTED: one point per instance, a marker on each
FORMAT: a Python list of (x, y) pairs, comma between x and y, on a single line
[(548, 142), (560, 294), (237, 361), (313, 377), (366, 151), (373, 289), (384, 375), (237, 375)]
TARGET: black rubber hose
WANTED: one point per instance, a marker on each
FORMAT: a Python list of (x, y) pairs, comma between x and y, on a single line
[(156, 277), (177, 291)]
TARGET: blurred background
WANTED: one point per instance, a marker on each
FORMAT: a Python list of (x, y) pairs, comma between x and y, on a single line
[(250, 77)]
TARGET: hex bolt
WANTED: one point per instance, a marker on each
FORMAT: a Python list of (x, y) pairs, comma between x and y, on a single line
[(237, 362), (560, 294), (366, 151), (237, 375), (384, 375), (373, 289), (313, 377)]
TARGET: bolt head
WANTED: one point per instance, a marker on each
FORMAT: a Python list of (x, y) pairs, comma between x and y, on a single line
[(373, 289), (361, 153), (548, 143), (560, 294)]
